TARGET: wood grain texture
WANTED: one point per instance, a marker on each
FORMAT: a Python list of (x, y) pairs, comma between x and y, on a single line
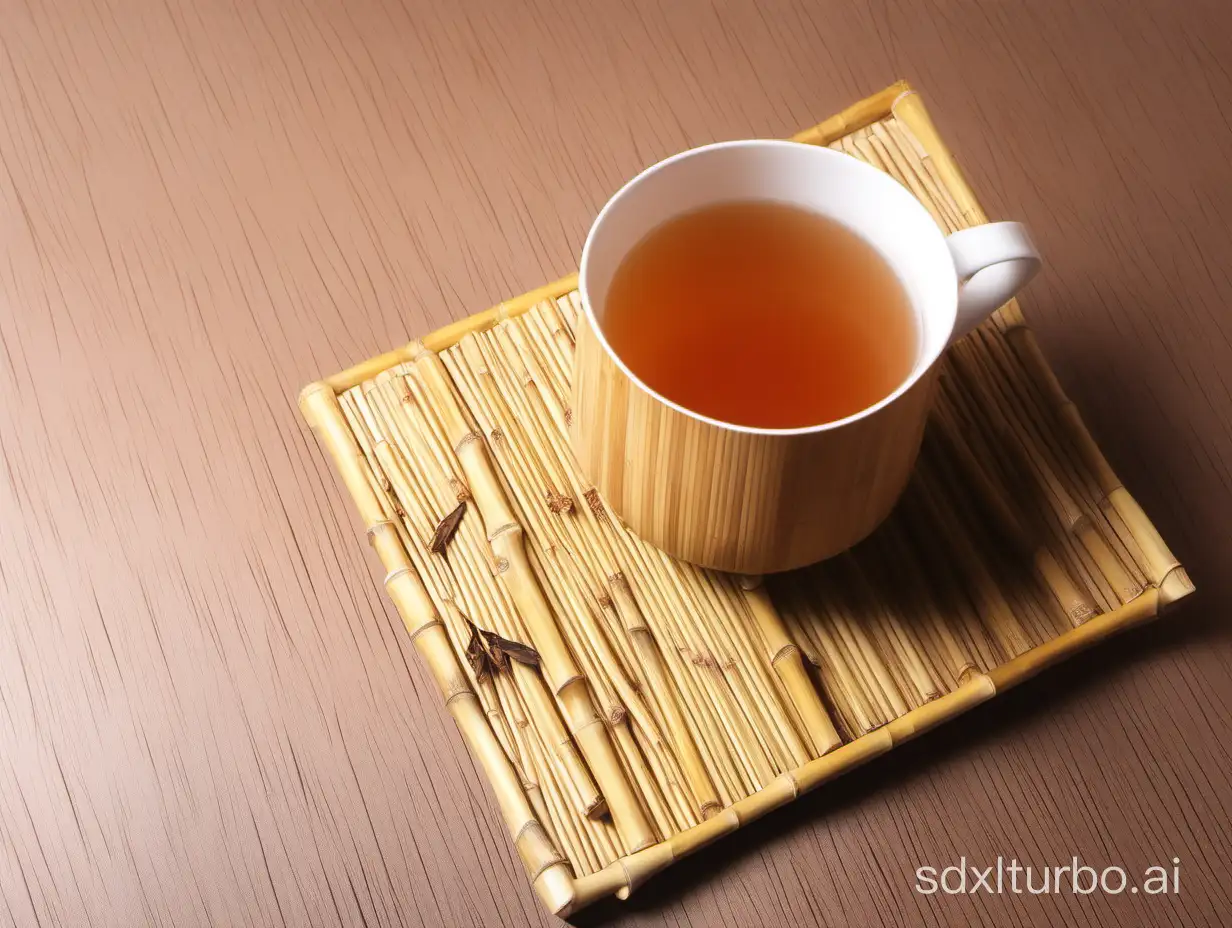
[(206, 205)]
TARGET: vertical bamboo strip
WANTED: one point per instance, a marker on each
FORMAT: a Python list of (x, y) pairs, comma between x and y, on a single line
[(716, 675), (904, 562), (1025, 439), (836, 678), (505, 536), (944, 575), (548, 869), (385, 403), (909, 157), (1050, 511), (688, 672), (753, 699), (1073, 602), (1037, 414), (1163, 569), (899, 638), (996, 362), (720, 613), (874, 677), (773, 699), (992, 608), (786, 660), (704, 795)]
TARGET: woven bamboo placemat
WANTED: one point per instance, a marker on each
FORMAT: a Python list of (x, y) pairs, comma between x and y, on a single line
[(698, 701)]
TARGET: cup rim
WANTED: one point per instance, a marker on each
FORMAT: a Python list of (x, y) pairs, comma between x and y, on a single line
[(923, 363)]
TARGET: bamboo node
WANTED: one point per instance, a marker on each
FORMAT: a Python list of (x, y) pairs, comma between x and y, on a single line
[(509, 528), (616, 715), (434, 622), (499, 565), (596, 504), (795, 784), (966, 672), (559, 502), (1080, 612), (568, 415), (468, 438), (394, 575), (548, 865), (786, 650), (592, 722), (903, 94), (497, 435), (376, 527), (604, 600)]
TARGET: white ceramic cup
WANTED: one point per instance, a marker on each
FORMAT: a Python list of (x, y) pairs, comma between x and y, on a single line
[(799, 494)]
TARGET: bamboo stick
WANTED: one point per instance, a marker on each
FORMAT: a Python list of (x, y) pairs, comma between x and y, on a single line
[(1118, 565), (856, 116), (899, 640), (884, 700), (1163, 569), (1073, 602), (1027, 440), (836, 678), (505, 535), (983, 428), (383, 408), (703, 791), (777, 746), (549, 871), (769, 698), (785, 658)]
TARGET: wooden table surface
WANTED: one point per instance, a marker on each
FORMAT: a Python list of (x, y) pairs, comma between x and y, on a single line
[(209, 714)]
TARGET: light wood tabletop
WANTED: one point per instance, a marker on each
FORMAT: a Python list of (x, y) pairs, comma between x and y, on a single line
[(209, 713)]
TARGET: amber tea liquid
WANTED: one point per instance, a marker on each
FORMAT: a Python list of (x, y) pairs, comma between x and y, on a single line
[(761, 314)]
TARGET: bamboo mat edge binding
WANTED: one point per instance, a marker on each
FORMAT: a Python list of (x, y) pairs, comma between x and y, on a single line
[(1165, 579)]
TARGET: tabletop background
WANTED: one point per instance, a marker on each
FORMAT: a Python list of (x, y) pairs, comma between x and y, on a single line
[(209, 714)]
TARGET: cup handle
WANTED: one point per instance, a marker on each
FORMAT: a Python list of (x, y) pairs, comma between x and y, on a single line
[(994, 261)]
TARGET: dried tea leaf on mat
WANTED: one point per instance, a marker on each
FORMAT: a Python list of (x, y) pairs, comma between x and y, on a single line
[(489, 653), (446, 529)]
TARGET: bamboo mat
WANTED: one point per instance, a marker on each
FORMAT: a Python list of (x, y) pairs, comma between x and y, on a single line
[(706, 700)]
